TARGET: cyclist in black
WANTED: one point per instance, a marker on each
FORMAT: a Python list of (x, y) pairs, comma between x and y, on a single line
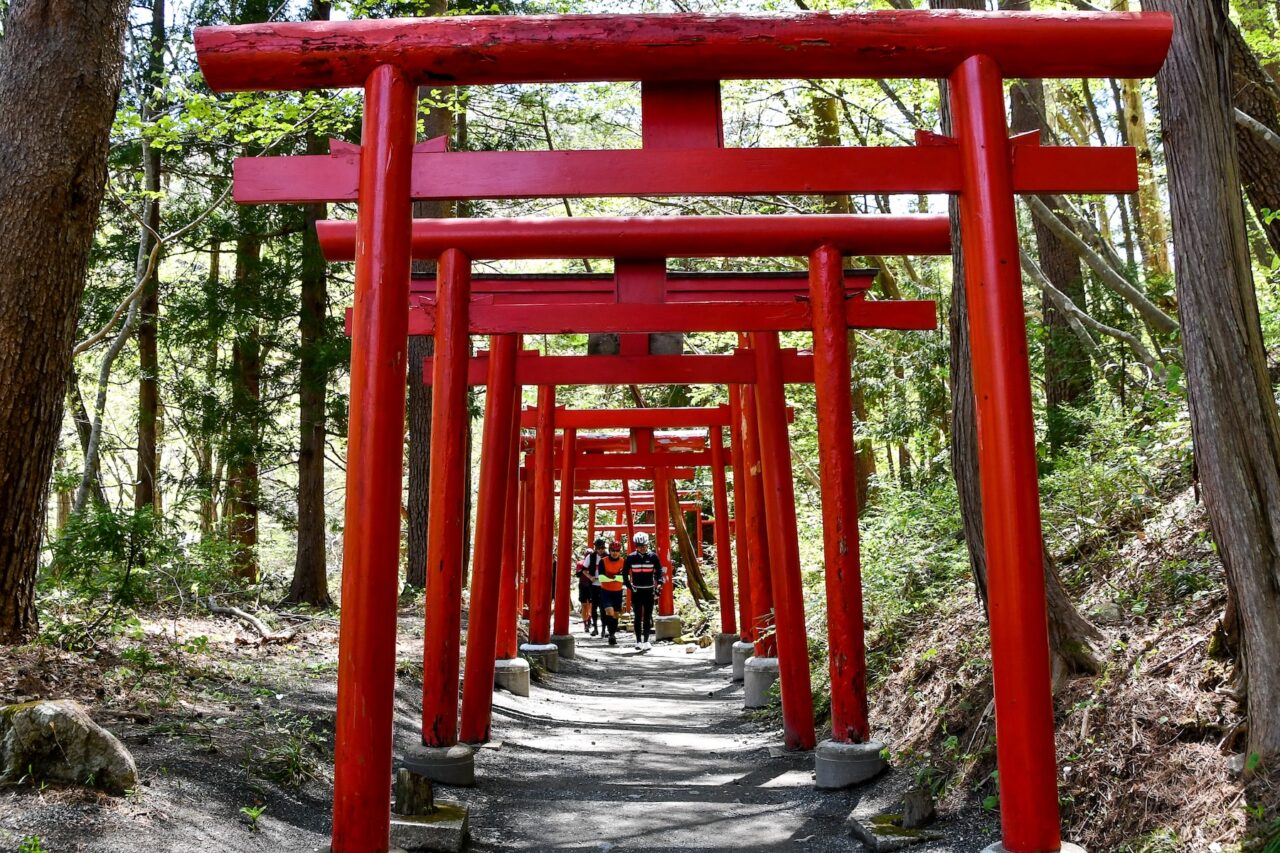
[(589, 587), (642, 573)]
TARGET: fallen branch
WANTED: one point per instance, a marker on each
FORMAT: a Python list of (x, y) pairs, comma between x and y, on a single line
[(265, 634)]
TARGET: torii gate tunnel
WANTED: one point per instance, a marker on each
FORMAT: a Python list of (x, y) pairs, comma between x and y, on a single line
[(679, 60)]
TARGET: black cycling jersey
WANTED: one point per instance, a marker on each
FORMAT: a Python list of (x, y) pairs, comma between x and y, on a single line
[(642, 571)]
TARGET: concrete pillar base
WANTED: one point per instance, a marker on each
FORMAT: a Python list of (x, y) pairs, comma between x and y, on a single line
[(724, 648), (328, 849), (512, 675), (841, 765), (758, 676), (1067, 847), (667, 628), (445, 830), (564, 644), (546, 654), (443, 765), (742, 652)]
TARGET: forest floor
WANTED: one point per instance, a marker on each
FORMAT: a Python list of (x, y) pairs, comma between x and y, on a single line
[(618, 751)]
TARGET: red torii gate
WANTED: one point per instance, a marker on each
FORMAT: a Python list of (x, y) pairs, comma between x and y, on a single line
[(973, 51)]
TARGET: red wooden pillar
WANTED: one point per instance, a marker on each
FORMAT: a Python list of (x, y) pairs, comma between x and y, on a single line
[(446, 526), (1007, 463), (784, 547), (740, 528), (543, 522), (591, 524), (758, 532), (724, 562), (565, 599), (509, 597), (371, 546), (847, 649), (662, 533), (486, 573), (631, 517), (526, 536)]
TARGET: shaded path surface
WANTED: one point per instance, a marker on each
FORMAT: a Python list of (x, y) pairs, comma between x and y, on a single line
[(631, 752)]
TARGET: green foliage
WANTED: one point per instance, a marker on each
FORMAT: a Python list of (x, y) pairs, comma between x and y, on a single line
[(31, 844)]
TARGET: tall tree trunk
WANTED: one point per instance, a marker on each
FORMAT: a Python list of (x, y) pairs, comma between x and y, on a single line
[(144, 494), (243, 485), (437, 121), (1068, 373), (1234, 422), (206, 478), (310, 583), (1255, 93), (826, 125), (60, 67), (1069, 632)]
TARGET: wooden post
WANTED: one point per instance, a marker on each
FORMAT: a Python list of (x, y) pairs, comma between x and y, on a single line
[(486, 574), (1006, 464), (566, 549), (371, 552), (784, 547), (543, 521), (724, 562), (740, 533)]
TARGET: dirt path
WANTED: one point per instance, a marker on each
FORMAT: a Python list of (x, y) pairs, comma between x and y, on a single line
[(636, 752), (619, 751)]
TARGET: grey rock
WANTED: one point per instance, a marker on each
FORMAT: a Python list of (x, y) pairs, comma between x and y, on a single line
[(56, 741), (444, 830), (1108, 612), (917, 808)]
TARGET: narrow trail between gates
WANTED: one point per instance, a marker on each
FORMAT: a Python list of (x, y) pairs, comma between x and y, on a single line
[(629, 752)]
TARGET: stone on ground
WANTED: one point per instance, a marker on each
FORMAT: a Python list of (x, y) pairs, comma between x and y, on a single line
[(444, 830), (56, 741)]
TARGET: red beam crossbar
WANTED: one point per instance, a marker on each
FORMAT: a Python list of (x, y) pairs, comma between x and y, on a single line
[(643, 459), (660, 236), (695, 287), (465, 50), (656, 418), (630, 318), (735, 369), (930, 168)]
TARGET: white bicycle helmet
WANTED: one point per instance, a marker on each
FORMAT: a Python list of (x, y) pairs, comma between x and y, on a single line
[(640, 539)]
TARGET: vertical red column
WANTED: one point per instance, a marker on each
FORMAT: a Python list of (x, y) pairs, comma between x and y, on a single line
[(544, 484), (591, 523), (740, 532), (446, 525), (724, 562), (512, 554), (526, 556), (565, 600), (847, 649), (758, 532), (1007, 463), (662, 534), (631, 516), (784, 546), (486, 573), (375, 442)]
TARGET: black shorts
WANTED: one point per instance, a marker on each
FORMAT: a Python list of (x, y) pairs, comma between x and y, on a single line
[(611, 598), (586, 592)]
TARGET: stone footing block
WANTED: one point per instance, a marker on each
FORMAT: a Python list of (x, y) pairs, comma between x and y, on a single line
[(512, 675), (841, 765), (758, 676), (742, 652), (724, 648), (565, 645), (1067, 847), (667, 628), (546, 654), (444, 765), (445, 830)]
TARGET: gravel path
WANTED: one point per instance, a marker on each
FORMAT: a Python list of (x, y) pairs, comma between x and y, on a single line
[(631, 752)]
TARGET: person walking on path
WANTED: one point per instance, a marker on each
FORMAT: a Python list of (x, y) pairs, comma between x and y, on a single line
[(609, 574), (642, 573), (588, 586)]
